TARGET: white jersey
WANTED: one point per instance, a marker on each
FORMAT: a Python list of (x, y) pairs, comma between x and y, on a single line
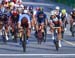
[(65, 15)]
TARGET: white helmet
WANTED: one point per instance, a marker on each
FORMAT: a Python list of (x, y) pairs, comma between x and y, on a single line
[(73, 9), (57, 7), (52, 12)]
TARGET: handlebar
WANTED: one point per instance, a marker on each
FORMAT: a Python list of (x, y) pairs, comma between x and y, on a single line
[(56, 27)]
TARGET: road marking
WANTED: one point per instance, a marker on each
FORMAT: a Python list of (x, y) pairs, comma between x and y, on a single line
[(37, 54), (70, 43)]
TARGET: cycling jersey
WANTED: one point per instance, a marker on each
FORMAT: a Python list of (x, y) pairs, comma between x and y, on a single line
[(22, 16), (63, 16), (57, 14), (55, 21), (73, 15), (41, 16)]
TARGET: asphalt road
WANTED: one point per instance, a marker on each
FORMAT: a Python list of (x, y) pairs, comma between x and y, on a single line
[(68, 45)]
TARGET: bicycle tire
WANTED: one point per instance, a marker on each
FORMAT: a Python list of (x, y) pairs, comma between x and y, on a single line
[(39, 36), (62, 34), (56, 45), (3, 36), (56, 41), (24, 46), (45, 34), (15, 34), (24, 41)]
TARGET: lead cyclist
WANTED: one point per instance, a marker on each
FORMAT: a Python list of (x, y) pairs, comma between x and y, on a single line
[(21, 16)]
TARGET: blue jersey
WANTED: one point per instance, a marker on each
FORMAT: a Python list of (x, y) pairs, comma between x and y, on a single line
[(41, 16), (22, 16)]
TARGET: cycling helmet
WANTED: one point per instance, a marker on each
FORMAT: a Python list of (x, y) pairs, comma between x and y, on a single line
[(52, 12), (63, 11), (30, 7), (57, 7), (14, 12), (19, 1), (11, 4), (38, 8), (73, 9), (41, 9), (25, 7)]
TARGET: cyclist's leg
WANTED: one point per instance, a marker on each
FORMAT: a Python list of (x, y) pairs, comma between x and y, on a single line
[(71, 21), (59, 36), (52, 33), (52, 30), (6, 31), (33, 23), (36, 28), (21, 35), (28, 32), (42, 28)]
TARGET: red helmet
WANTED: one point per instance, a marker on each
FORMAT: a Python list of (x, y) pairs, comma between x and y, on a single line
[(14, 13), (38, 8)]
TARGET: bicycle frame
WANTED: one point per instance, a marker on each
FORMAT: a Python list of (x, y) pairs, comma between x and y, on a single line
[(24, 40)]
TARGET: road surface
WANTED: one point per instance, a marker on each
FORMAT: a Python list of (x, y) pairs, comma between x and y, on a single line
[(68, 43)]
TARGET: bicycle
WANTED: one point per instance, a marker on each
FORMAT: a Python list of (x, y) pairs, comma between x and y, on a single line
[(45, 33), (56, 37), (25, 25), (24, 40), (15, 32), (41, 36), (73, 29)]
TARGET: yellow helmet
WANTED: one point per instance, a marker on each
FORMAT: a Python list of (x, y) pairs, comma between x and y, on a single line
[(11, 4), (63, 11)]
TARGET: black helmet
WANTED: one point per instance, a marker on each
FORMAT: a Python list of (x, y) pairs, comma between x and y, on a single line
[(30, 7)]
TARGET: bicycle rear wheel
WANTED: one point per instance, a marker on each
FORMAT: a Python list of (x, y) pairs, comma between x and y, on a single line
[(39, 36), (45, 34)]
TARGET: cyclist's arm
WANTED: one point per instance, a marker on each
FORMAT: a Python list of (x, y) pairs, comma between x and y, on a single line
[(46, 20), (19, 21), (29, 21)]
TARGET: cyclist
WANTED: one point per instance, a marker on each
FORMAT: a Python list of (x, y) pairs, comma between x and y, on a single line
[(35, 11), (28, 23), (14, 17), (41, 18), (55, 22), (30, 12), (63, 16), (72, 18), (4, 19)]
